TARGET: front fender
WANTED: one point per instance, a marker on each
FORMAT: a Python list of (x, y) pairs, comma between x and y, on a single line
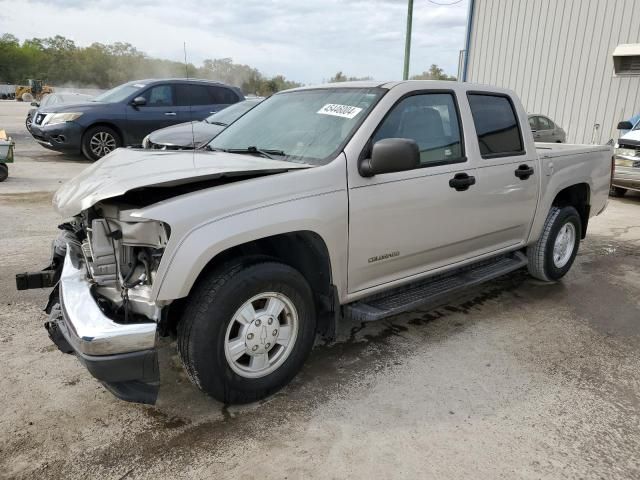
[(324, 214)]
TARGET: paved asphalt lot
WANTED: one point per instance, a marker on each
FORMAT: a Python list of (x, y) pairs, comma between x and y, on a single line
[(517, 379)]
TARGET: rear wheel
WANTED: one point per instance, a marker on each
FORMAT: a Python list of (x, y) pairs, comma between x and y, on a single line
[(551, 257), (617, 191), (247, 330), (4, 172), (99, 141)]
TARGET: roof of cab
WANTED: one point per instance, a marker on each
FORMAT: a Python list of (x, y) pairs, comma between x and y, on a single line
[(426, 84)]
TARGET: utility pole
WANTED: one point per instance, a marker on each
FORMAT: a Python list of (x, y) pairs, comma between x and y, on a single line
[(407, 42)]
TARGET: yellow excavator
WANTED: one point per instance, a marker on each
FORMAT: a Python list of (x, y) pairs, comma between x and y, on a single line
[(33, 90)]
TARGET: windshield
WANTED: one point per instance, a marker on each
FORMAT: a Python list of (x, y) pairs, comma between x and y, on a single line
[(119, 93), (231, 113), (306, 126)]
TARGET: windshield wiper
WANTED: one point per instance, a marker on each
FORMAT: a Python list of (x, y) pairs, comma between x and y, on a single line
[(252, 150), (222, 124)]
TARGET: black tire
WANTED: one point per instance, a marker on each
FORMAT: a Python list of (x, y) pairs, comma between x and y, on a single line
[(617, 191), (209, 311), (541, 255), (99, 131), (27, 123), (4, 172)]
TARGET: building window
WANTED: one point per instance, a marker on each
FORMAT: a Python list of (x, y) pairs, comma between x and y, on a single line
[(627, 65), (626, 59)]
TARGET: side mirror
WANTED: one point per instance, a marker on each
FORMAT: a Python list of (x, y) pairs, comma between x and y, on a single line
[(391, 155), (625, 125), (35, 104), (139, 101)]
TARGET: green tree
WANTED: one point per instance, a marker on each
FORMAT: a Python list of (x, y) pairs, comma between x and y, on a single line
[(434, 73), (341, 77), (58, 61)]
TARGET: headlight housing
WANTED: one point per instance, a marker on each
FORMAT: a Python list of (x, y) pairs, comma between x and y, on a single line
[(56, 118)]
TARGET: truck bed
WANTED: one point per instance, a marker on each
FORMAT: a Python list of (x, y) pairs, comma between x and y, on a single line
[(554, 150)]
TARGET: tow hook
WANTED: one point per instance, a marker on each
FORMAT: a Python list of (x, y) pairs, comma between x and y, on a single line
[(54, 332)]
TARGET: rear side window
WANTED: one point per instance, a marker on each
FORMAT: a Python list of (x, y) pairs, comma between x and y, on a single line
[(222, 95), (496, 125), (190, 94)]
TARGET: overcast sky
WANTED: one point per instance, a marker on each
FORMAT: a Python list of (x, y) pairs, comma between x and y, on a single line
[(305, 40)]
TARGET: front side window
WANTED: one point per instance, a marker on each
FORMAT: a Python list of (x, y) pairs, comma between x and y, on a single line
[(496, 125), (159, 96), (431, 119), (533, 123), (545, 124), (119, 93), (306, 126)]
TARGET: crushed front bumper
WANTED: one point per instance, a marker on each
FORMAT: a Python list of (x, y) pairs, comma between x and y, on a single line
[(122, 356)]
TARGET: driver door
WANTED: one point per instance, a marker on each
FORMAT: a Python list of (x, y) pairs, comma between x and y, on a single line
[(404, 223), (160, 111)]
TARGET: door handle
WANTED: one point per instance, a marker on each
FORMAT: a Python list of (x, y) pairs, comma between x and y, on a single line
[(215, 111), (524, 171), (170, 114), (462, 181)]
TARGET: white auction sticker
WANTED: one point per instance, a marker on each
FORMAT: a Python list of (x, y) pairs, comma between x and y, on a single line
[(344, 111)]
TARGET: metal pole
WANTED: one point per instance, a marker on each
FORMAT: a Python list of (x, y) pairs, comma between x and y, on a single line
[(407, 44)]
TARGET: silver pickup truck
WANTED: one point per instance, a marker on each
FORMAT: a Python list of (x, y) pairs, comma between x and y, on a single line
[(343, 201)]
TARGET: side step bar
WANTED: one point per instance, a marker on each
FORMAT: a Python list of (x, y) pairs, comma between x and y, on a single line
[(433, 289)]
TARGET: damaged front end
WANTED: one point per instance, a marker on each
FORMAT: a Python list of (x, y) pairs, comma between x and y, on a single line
[(103, 266)]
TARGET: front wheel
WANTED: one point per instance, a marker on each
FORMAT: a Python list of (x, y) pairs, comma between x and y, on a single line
[(551, 257), (99, 141), (247, 330)]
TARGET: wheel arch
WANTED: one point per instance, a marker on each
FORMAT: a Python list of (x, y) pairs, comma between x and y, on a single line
[(104, 123), (304, 250), (579, 197)]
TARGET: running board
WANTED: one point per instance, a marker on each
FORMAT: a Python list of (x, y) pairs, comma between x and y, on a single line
[(433, 289)]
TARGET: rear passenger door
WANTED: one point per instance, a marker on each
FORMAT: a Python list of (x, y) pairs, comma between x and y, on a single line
[(507, 176)]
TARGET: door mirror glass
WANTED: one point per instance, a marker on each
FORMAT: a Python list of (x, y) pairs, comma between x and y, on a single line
[(35, 104), (391, 155), (625, 125), (139, 101)]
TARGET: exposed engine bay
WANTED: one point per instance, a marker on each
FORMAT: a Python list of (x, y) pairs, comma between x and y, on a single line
[(121, 255)]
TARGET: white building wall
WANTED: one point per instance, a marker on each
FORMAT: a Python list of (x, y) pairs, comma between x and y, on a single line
[(556, 54)]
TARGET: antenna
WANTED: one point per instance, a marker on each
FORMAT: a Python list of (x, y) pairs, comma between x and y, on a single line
[(186, 69)]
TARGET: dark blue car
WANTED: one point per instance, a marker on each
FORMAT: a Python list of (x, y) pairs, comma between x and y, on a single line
[(124, 115)]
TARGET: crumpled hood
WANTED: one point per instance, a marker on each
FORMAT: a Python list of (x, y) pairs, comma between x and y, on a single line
[(127, 169)]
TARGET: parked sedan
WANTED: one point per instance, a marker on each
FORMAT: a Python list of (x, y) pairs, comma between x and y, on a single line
[(54, 99), (124, 115), (191, 135), (545, 130)]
